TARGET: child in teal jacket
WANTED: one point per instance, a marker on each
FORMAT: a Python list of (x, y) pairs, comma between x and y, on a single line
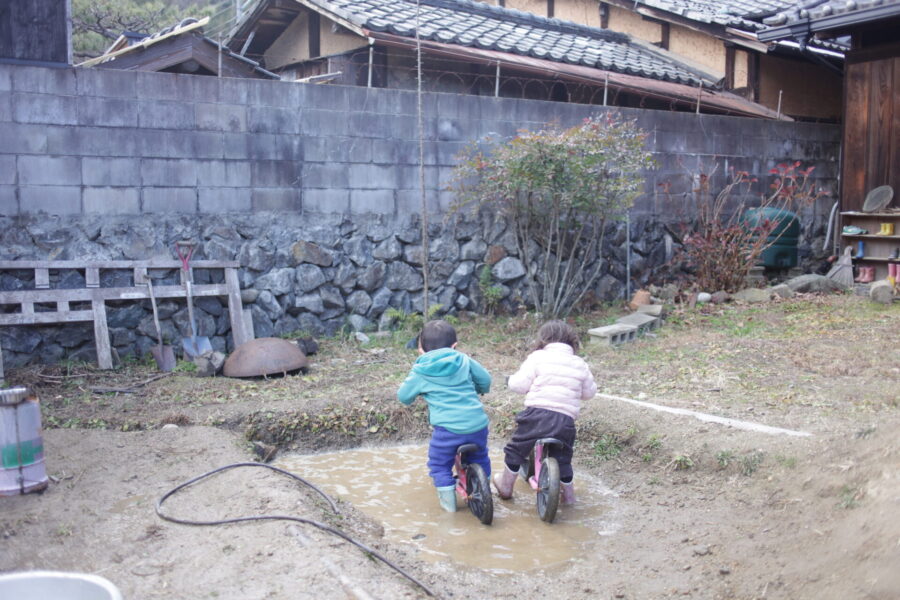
[(450, 382)]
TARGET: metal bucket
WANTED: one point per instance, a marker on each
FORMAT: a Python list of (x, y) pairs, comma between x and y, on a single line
[(57, 585), (21, 443)]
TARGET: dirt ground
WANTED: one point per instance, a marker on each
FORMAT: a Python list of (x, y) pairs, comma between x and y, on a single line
[(705, 511)]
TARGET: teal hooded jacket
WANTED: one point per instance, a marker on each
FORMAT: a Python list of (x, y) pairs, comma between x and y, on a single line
[(450, 382)]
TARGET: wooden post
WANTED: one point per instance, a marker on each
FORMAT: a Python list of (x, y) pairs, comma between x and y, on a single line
[(101, 334)]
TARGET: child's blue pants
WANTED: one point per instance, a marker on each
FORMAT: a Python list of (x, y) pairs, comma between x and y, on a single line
[(442, 453)]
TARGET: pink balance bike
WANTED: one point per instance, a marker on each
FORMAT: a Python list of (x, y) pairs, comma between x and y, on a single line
[(472, 484), (543, 477)]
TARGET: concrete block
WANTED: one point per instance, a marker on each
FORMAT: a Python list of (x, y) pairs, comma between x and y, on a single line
[(642, 321), (272, 94), (44, 108), (169, 200), (410, 201), (371, 177), (109, 83), (7, 169), (111, 200), (380, 202), (326, 123), (275, 173), (51, 199), (270, 146), (336, 97), (223, 173), (163, 172), (165, 115), (326, 149), (204, 89), (9, 203), (153, 143), (233, 91), (612, 335), (326, 201), (325, 175), (105, 141), (44, 80), (236, 145), (194, 144), (271, 119), (163, 86), (6, 77), (654, 310), (225, 200), (111, 171), (107, 112), (385, 151), (49, 170), (359, 150), (277, 199), (220, 117)]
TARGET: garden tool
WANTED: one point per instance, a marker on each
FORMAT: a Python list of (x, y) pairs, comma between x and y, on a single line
[(162, 354), (842, 271), (194, 345)]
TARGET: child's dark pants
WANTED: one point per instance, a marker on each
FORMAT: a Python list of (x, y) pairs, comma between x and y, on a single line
[(442, 453), (533, 424)]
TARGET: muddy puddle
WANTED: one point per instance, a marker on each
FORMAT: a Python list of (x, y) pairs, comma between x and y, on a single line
[(392, 486)]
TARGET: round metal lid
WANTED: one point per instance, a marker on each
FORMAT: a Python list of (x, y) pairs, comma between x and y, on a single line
[(265, 356), (14, 395), (878, 198)]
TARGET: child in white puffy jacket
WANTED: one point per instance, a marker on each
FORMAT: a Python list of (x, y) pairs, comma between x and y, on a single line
[(555, 381)]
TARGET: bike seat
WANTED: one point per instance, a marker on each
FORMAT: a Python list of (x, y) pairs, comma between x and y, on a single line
[(466, 448), (550, 442)]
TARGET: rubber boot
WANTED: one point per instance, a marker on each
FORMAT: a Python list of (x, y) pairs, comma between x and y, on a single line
[(447, 497), (567, 492), (504, 482), (860, 249), (867, 274)]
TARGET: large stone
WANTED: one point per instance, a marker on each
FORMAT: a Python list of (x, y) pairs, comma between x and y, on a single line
[(813, 283), (309, 302), (881, 291), (262, 324), (310, 324), (331, 297), (753, 295), (269, 304), (373, 276), (444, 248), (308, 277), (462, 275), (494, 254), (413, 255), (359, 302), (473, 250), (389, 249), (210, 304), (254, 257), (359, 250), (308, 252), (380, 302), (277, 281), (128, 316), (360, 323), (401, 276), (508, 269), (286, 325)]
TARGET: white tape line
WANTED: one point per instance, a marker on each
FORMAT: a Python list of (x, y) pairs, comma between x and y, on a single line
[(711, 418)]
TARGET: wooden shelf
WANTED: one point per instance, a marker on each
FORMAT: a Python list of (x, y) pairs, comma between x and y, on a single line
[(877, 248), (871, 236), (878, 215)]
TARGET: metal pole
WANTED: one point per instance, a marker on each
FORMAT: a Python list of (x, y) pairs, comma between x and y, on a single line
[(606, 89), (421, 127), (778, 112), (371, 60), (699, 93), (627, 256), (497, 82), (219, 73)]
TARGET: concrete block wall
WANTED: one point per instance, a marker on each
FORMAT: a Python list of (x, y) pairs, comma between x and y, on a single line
[(97, 141)]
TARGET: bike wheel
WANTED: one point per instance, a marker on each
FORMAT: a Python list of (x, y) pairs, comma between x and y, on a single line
[(478, 492), (548, 490)]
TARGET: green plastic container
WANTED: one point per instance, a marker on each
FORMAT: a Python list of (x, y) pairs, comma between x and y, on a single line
[(785, 237)]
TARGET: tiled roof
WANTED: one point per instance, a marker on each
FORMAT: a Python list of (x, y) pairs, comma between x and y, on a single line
[(741, 14), (479, 25), (801, 11)]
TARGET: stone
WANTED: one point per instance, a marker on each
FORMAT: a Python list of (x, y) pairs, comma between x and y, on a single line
[(262, 324), (254, 257), (473, 250), (813, 283), (331, 297), (277, 281), (401, 276), (380, 302), (720, 297), (359, 250), (309, 302), (703, 297), (308, 252), (753, 295), (507, 269), (269, 304), (345, 276), (640, 298), (359, 302), (444, 248), (128, 316), (462, 275), (285, 326), (373, 276), (782, 291), (209, 363), (413, 255), (249, 295), (389, 249), (361, 337), (494, 254), (308, 277), (309, 323), (359, 323), (881, 291)]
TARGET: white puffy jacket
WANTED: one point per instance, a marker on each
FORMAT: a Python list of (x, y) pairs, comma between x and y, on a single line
[(554, 378)]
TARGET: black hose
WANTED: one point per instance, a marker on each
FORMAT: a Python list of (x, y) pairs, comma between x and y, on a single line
[(317, 524)]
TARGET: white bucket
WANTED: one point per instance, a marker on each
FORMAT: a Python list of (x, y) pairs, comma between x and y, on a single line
[(22, 467), (56, 585)]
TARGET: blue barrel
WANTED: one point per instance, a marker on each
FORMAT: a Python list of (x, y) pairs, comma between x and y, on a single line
[(783, 240), (21, 443)]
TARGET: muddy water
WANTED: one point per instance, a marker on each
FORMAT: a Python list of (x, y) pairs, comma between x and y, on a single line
[(392, 486)]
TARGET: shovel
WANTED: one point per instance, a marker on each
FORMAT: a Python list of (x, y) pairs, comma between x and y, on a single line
[(195, 345), (163, 355)]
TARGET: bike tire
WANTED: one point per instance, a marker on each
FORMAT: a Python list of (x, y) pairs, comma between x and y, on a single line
[(478, 493), (548, 490)]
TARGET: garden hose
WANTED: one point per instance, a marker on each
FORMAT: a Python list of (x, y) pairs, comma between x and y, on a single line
[(322, 526)]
